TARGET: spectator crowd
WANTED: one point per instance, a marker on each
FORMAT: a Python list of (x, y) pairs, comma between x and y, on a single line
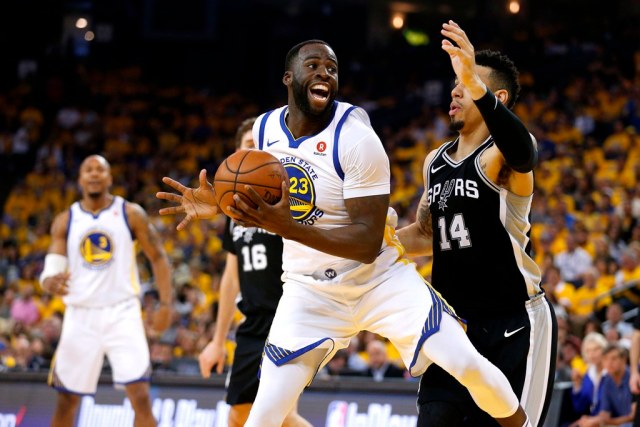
[(585, 214)]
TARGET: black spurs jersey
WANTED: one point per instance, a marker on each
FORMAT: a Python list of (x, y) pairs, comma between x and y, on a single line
[(480, 237), (259, 255)]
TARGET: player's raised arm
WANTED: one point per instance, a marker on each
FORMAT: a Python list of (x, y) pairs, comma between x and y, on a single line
[(196, 203)]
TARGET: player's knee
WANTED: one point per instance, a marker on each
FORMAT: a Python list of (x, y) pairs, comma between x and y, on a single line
[(238, 415), (138, 395), (68, 401), (439, 414), (295, 420), (470, 371)]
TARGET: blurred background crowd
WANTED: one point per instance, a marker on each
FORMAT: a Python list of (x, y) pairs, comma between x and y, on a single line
[(154, 113)]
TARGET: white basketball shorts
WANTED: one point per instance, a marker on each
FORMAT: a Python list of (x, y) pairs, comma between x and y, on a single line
[(88, 334)]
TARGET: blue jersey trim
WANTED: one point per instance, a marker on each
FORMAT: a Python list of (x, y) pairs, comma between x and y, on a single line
[(432, 324), (279, 356), (295, 143), (69, 224), (263, 123), (67, 391), (336, 159), (139, 380), (126, 219), (99, 212)]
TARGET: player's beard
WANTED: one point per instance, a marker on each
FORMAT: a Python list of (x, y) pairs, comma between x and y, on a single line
[(456, 125), (302, 99), (94, 195)]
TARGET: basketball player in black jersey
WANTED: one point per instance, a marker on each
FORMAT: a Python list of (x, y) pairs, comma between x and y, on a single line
[(253, 269), (474, 218)]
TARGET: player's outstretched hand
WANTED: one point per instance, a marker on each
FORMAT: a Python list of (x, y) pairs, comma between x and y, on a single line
[(210, 356), (461, 53), (196, 203)]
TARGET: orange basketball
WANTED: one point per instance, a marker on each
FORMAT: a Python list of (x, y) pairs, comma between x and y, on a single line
[(259, 169)]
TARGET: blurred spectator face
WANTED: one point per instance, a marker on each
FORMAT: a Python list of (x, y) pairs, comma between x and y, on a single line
[(582, 236), (377, 354), (612, 335), (563, 329), (589, 278), (338, 362), (37, 346), (22, 348), (592, 325), (552, 277), (628, 261), (51, 329), (571, 243), (614, 313), (614, 362), (592, 352), (187, 340), (161, 353), (569, 351)]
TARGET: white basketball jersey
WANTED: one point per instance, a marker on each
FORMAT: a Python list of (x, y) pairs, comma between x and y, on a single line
[(345, 160), (102, 259)]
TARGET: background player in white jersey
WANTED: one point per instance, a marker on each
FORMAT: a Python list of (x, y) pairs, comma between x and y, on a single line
[(344, 269), (91, 262), (253, 269), (474, 218)]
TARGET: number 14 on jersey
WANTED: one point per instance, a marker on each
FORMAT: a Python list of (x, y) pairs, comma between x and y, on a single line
[(457, 230)]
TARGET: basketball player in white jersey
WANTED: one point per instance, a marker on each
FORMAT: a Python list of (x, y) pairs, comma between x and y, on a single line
[(91, 263), (252, 279), (344, 269), (474, 218)]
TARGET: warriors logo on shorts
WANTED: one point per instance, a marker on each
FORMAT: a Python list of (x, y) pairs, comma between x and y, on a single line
[(302, 194), (96, 248)]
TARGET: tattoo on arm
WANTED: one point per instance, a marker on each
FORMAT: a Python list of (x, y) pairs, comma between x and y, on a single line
[(424, 219), (483, 166)]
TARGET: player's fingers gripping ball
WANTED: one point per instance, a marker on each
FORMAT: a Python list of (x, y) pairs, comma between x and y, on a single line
[(259, 169)]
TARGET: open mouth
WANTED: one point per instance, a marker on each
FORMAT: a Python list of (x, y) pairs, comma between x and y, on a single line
[(320, 92)]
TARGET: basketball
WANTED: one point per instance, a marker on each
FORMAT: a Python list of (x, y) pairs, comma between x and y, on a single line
[(259, 169)]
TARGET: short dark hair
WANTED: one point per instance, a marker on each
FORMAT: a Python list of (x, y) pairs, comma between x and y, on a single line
[(246, 125), (617, 348), (293, 52), (504, 72)]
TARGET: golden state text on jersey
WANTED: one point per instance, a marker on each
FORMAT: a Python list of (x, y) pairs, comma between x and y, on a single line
[(302, 190)]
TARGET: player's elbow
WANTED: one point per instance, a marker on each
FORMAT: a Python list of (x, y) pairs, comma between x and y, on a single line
[(524, 167), (526, 158), (369, 258), (370, 251)]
